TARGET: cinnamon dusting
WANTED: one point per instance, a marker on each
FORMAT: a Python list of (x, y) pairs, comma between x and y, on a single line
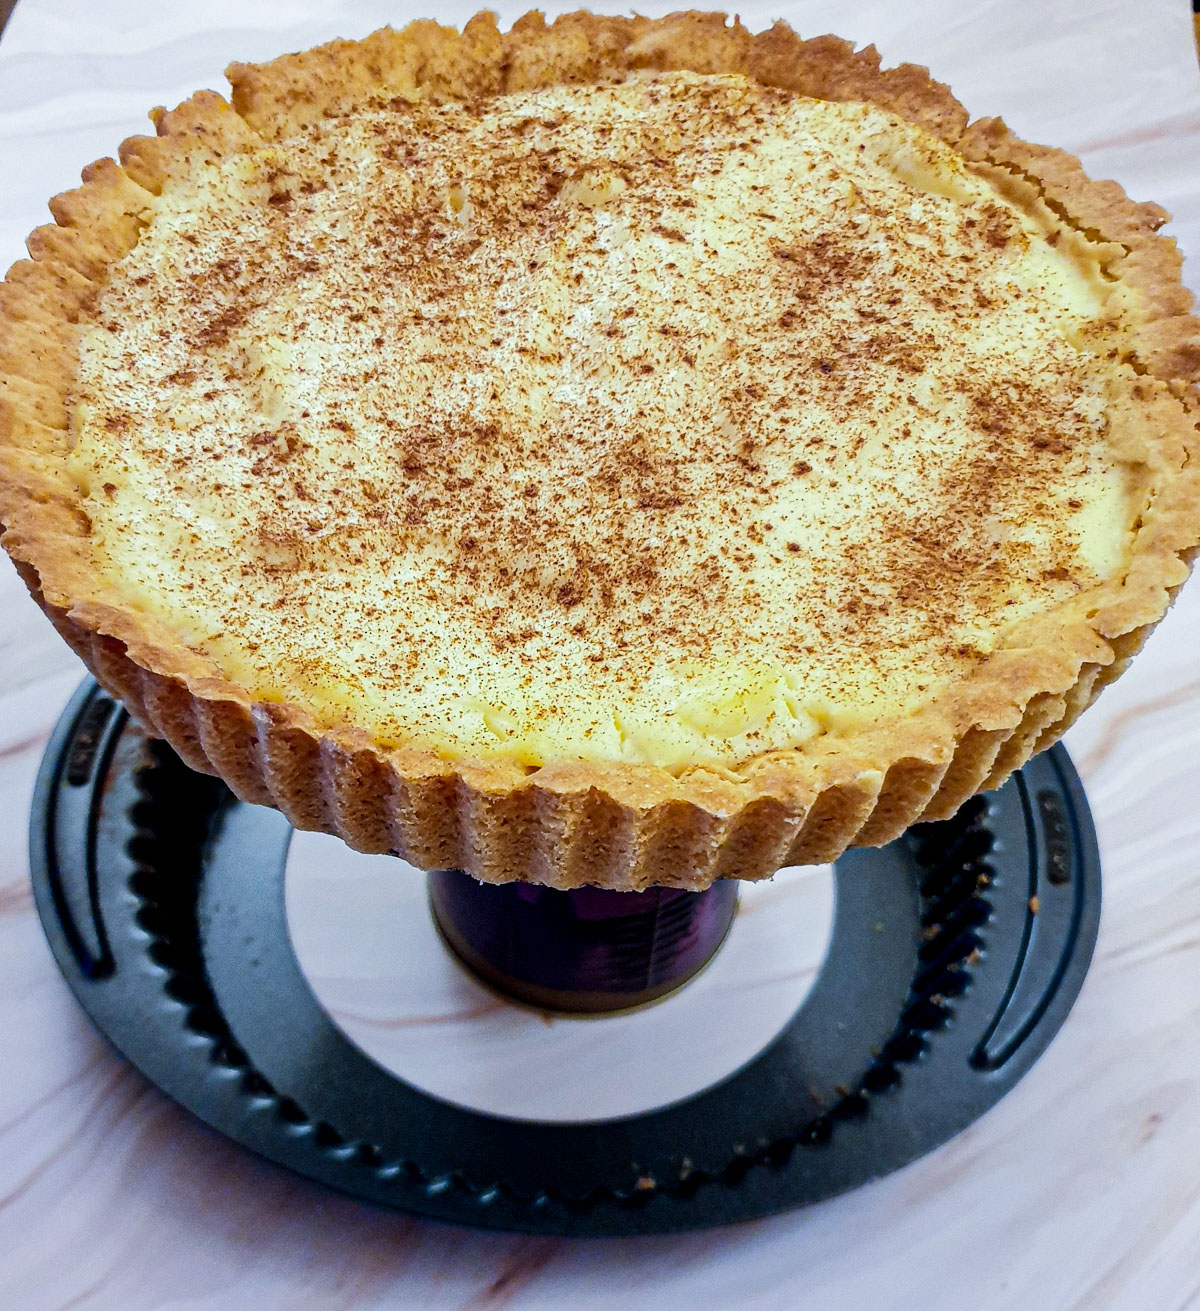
[(665, 378)]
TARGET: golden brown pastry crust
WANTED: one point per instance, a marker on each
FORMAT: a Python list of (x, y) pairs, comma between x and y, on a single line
[(618, 825)]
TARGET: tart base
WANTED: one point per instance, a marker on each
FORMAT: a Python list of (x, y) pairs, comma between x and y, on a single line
[(911, 1031)]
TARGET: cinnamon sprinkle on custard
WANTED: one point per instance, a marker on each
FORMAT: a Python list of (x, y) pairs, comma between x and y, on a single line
[(674, 420)]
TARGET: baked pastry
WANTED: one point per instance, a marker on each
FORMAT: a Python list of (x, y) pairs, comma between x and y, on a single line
[(618, 451)]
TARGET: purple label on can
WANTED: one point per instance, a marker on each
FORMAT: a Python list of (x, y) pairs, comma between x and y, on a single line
[(587, 949)]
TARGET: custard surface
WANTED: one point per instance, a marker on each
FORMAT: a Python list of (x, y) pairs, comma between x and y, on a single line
[(671, 421)]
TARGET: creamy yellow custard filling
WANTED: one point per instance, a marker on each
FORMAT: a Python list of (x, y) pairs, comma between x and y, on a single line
[(670, 421)]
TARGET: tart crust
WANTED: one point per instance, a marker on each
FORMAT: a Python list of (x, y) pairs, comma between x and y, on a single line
[(616, 825)]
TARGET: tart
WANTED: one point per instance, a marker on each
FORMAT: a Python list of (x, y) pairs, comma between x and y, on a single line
[(618, 451)]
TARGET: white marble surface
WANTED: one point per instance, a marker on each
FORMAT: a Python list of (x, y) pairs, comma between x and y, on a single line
[(366, 941), (1081, 1190)]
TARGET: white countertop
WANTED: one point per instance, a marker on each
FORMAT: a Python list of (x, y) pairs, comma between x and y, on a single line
[(1080, 1190)]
